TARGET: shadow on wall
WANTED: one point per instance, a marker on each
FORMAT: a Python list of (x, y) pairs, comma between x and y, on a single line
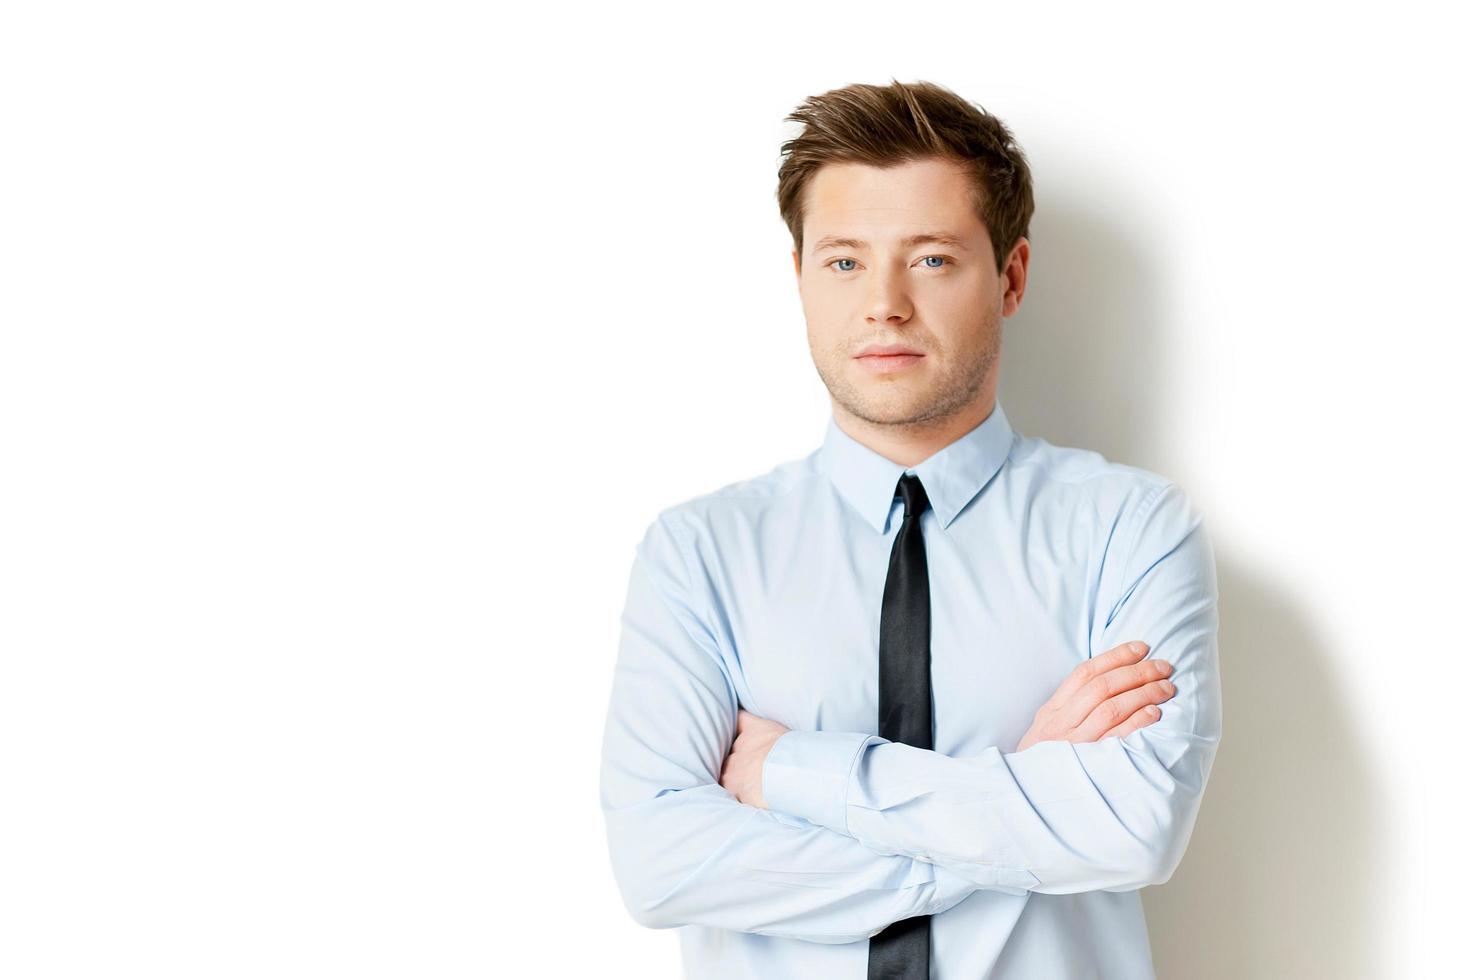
[(1280, 877)]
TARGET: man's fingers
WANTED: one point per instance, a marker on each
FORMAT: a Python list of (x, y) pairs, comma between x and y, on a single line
[(1125, 653), (1097, 690), (1100, 688), (1145, 716), (1116, 710)]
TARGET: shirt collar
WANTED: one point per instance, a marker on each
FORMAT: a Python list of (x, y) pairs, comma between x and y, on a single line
[(952, 475)]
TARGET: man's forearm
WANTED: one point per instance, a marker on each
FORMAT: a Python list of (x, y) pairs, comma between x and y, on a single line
[(699, 857), (1057, 818)]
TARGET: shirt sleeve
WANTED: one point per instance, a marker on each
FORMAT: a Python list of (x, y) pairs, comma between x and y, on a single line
[(1111, 815), (684, 850)]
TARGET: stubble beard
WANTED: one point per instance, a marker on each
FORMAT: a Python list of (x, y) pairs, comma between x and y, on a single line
[(885, 403)]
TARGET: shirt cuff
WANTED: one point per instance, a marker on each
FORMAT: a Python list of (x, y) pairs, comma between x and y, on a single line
[(807, 775)]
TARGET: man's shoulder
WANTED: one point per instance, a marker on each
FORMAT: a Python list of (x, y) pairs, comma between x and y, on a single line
[(1086, 477), (740, 500), (1135, 515)]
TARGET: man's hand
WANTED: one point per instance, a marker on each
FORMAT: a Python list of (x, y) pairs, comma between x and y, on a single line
[(1109, 695), (741, 773)]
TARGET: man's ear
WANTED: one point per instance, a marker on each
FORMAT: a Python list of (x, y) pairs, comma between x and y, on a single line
[(797, 264), (1016, 275)]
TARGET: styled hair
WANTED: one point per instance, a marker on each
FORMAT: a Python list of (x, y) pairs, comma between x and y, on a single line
[(886, 125)]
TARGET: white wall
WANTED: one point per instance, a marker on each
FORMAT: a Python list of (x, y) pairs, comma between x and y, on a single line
[(348, 349)]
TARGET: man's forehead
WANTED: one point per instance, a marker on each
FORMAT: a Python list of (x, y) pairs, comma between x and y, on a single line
[(860, 202)]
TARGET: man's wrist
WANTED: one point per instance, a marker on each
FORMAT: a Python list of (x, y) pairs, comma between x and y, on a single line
[(807, 774)]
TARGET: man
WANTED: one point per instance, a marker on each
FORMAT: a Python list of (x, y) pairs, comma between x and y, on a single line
[(886, 711)]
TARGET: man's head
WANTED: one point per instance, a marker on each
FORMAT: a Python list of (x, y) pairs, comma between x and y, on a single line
[(873, 173)]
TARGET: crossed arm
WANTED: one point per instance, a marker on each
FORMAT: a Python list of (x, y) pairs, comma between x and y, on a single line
[(684, 850), (862, 832)]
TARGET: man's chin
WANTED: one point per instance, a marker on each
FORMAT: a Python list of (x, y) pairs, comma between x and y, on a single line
[(891, 411)]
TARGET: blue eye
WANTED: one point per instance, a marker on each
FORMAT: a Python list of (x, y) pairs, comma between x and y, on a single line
[(834, 263)]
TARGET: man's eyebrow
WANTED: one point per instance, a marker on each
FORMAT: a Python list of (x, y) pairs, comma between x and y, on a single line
[(925, 238)]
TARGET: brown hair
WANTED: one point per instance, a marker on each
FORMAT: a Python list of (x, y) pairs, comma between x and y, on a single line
[(888, 125)]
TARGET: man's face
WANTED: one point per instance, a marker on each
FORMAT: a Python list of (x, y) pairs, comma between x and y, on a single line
[(944, 300)]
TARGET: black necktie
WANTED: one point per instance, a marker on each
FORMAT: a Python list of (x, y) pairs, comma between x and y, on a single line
[(902, 950)]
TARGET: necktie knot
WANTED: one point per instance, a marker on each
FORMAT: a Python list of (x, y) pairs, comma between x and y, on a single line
[(913, 494)]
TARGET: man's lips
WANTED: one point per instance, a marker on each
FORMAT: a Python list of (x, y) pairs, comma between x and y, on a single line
[(888, 359), (883, 350)]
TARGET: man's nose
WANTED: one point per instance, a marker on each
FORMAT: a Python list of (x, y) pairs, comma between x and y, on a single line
[(888, 300)]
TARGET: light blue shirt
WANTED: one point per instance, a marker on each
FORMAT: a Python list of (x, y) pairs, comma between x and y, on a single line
[(765, 595)]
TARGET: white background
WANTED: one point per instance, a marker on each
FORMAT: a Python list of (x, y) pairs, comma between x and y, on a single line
[(349, 348)]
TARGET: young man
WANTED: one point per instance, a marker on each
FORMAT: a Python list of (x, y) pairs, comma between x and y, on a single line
[(878, 712)]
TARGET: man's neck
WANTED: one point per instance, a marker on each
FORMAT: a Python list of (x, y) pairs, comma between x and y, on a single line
[(909, 445)]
